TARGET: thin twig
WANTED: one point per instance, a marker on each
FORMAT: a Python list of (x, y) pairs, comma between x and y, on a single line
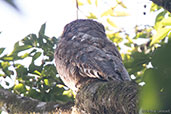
[(77, 8)]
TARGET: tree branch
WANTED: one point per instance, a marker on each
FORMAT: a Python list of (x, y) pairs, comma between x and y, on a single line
[(108, 98), (94, 97), (13, 103)]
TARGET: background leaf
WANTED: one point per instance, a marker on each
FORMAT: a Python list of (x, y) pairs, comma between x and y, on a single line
[(111, 22), (161, 33)]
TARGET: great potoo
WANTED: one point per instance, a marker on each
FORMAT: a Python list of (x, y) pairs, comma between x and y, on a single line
[(84, 52)]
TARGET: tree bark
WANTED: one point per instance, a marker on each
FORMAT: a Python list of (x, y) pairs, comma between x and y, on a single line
[(95, 97), (13, 103), (108, 98), (166, 4)]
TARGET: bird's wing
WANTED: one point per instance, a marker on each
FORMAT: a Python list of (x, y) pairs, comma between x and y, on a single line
[(96, 63)]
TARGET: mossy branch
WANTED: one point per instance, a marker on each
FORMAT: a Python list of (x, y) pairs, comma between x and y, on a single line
[(95, 97)]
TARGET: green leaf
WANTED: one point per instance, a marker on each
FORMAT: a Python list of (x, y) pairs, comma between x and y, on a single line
[(121, 3), (108, 12), (37, 72), (169, 35), (40, 41), (89, 1), (96, 3), (129, 39), (111, 23), (36, 55), (42, 29), (8, 58), (49, 70), (115, 37), (80, 3), (149, 93), (143, 33), (166, 21), (46, 82), (18, 48), (158, 20), (135, 61), (160, 16), (25, 55), (5, 65), (33, 67), (19, 88), (68, 93), (161, 33), (161, 57), (154, 7), (1, 50), (33, 51), (120, 14), (34, 94), (91, 16), (21, 71), (30, 40)]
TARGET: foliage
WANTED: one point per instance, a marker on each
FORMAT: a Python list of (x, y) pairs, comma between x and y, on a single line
[(147, 63), (39, 79)]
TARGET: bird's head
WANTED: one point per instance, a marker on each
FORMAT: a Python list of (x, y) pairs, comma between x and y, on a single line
[(84, 26)]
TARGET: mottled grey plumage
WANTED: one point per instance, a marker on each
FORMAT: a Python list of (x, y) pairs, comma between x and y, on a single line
[(85, 52)]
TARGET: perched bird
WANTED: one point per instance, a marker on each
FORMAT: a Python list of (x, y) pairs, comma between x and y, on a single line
[(84, 52)]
